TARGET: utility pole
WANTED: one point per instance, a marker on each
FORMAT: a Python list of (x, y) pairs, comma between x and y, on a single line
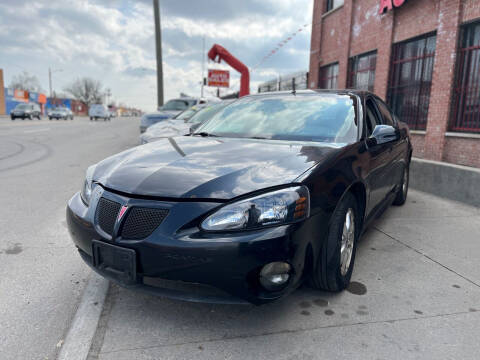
[(108, 93), (50, 80), (203, 67), (158, 41)]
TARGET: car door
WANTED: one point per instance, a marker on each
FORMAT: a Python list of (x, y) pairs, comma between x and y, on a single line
[(379, 157), (396, 148)]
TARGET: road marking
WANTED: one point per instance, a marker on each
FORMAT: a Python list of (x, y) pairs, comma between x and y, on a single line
[(35, 130), (84, 325)]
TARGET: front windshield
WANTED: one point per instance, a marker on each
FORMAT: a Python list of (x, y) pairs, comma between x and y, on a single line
[(22, 107), (176, 105), (318, 117), (206, 113), (187, 114)]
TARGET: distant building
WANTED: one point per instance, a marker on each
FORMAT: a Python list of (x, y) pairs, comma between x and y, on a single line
[(13, 97)]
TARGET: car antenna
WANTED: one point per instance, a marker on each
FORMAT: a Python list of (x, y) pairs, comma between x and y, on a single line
[(294, 92)]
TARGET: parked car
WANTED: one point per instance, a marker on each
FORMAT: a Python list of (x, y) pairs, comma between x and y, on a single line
[(60, 113), (275, 189), (184, 123), (98, 111), (26, 111), (70, 113), (171, 108)]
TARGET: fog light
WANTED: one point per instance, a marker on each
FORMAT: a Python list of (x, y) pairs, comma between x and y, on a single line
[(275, 275)]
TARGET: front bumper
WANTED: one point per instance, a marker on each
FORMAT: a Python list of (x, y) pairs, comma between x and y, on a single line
[(192, 260)]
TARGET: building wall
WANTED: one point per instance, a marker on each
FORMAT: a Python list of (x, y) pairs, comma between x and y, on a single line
[(470, 10), (79, 108), (368, 30), (418, 143), (365, 25), (415, 18)]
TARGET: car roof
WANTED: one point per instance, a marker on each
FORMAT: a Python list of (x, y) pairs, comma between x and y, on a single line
[(360, 93)]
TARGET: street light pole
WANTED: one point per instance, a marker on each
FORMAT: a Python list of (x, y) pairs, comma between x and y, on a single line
[(158, 41)]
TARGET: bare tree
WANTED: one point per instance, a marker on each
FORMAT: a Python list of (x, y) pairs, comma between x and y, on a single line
[(25, 81), (86, 90)]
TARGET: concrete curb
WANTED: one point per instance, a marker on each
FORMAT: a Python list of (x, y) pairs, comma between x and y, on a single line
[(454, 182), (84, 325)]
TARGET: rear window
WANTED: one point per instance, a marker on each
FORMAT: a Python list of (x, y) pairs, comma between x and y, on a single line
[(177, 105)]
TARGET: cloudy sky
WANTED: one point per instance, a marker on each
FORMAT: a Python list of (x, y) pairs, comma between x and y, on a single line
[(113, 41)]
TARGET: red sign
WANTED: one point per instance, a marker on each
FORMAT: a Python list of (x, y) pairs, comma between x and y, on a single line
[(386, 5), (218, 78)]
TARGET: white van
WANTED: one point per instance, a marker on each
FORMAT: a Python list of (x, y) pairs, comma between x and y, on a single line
[(99, 111)]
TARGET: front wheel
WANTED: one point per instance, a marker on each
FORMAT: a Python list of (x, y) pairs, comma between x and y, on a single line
[(334, 267), (402, 192)]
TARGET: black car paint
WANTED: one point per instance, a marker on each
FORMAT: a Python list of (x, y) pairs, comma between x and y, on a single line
[(193, 176)]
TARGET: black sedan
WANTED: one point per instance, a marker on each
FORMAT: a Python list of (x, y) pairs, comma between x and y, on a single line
[(273, 190)]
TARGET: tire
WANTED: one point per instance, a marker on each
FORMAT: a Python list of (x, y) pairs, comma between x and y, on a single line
[(402, 192), (12, 117), (328, 273)]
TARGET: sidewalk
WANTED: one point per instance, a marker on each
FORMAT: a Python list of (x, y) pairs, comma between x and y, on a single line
[(415, 294)]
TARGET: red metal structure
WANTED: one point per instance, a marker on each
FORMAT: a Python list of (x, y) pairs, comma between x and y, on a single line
[(219, 53)]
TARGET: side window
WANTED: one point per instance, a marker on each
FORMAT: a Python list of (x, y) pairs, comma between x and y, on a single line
[(385, 112), (372, 118)]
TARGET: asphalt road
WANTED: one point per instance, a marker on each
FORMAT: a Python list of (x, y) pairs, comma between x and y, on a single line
[(415, 292), (42, 164)]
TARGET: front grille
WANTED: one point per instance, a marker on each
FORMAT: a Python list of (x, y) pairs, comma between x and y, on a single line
[(141, 222), (106, 214)]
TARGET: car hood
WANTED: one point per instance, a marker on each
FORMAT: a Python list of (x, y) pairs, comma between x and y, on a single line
[(168, 128), (166, 113), (207, 168)]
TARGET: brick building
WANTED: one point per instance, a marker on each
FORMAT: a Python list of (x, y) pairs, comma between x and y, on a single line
[(422, 56)]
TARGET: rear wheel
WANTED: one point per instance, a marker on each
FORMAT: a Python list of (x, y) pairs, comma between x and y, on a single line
[(334, 266), (402, 192)]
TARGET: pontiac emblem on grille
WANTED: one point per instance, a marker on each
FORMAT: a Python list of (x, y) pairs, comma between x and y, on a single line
[(122, 211)]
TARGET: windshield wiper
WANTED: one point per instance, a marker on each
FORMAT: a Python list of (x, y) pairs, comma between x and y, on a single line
[(258, 137), (205, 134)]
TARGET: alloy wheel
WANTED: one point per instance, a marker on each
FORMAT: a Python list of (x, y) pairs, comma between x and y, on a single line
[(348, 239)]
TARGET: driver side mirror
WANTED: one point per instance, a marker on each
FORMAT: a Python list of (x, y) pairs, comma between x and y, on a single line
[(382, 134)]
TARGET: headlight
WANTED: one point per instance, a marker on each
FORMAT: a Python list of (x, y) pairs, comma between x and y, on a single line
[(86, 192), (274, 208)]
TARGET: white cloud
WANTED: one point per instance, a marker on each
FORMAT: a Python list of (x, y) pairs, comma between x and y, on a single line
[(113, 41)]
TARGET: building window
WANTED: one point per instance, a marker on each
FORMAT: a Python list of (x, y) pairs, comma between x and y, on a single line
[(411, 80), (332, 4), (361, 74), (328, 77), (466, 95)]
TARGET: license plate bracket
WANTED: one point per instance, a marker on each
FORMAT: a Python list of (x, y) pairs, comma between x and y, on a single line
[(116, 262)]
